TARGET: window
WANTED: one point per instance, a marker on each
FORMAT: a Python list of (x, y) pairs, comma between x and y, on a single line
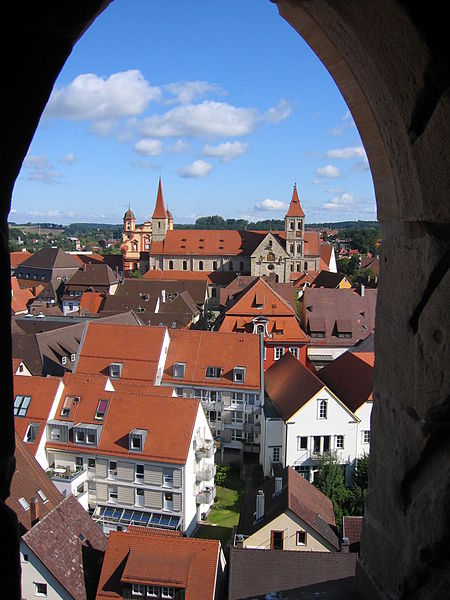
[(230, 266), (40, 589), (184, 265), (300, 538), (136, 442), (112, 471), (139, 497), (153, 591), (237, 416), (31, 433), (214, 265), (168, 477), (170, 265), (24, 504), (340, 441), (91, 463), (91, 438), (237, 398), (138, 589), (294, 351), (200, 265), (167, 592), (241, 266), (21, 404), (366, 437), (323, 406), (168, 501), (276, 453), (101, 409), (112, 494), (80, 436), (139, 472), (179, 370), (79, 461), (304, 472), (278, 352), (302, 442), (213, 372), (64, 360), (115, 370), (238, 374), (67, 406), (276, 540)]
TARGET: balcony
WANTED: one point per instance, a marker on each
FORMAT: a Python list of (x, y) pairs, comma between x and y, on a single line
[(206, 496), (204, 449), (206, 474), (64, 473)]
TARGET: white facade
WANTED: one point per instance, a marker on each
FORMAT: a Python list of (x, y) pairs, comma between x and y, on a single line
[(324, 424), (36, 579)]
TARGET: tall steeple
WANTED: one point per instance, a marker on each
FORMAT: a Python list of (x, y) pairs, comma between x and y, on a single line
[(295, 210), (160, 209), (160, 220)]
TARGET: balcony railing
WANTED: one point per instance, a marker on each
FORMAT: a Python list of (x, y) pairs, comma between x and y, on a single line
[(204, 449), (64, 474), (206, 496), (206, 474)]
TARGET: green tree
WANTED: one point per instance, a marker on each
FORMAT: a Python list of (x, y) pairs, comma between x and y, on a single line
[(330, 481), (358, 492)]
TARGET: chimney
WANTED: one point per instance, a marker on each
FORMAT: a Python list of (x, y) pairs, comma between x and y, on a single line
[(278, 485), (345, 545), (259, 504), (34, 510)]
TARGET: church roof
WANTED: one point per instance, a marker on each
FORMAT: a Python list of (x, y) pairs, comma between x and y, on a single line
[(160, 210), (295, 210), (129, 215)]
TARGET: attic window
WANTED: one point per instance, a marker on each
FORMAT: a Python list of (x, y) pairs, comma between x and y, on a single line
[(137, 440), (115, 370), (213, 372), (179, 369), (344, 328), (31, 433), (21, 404), (238, 374), (42, 496), (67, 406), (101, 409), (24, 504)]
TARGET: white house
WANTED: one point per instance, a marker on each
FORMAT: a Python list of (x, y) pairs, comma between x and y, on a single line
[(138, 456), (303, 420)]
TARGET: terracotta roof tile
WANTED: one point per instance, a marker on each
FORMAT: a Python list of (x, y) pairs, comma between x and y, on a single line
[(295, 210), (158, 559)]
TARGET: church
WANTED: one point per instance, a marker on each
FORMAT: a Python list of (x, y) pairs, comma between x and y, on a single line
[(156, 245)]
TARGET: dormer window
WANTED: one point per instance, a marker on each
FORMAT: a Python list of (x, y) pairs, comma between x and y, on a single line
[(137, 440), (213, 372), (179, 369), (115, 370), (238, 374)]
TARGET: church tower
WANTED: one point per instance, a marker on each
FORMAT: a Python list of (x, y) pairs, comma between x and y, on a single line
[(294, 227), (160, 218)]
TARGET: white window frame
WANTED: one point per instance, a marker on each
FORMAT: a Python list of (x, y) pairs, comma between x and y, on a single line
[(113, 494), (322, 408), (294, 350), (179, 370), (366, 436), (36, 589), (340, 441), (278, 352), (239, 374), (297, 537)]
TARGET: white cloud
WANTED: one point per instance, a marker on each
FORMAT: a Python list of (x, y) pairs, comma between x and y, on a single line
[(179, 146), (344, 201), (39, 168), (91, 97), (69, 158), (227, 151), (346, 153), (270, 204), (278, 113), (186, 92), (199, 168), (329, 172), (209, 119), (346, 123), (149, 147)]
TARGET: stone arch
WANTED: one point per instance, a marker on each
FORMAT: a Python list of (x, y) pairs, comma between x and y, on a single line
[(390, 62)]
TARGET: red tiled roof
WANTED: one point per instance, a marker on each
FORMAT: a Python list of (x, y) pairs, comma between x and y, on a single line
[(43, 392), (290, 385), (137, 348), (202, 349), (17, 258), (29, 478), (91, 302), (168, 421), (143, 555)]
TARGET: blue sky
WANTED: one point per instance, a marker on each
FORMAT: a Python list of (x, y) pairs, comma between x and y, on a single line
[(223, 100)]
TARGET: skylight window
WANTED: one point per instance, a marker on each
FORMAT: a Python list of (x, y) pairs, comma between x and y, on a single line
[(21, 404), (213, 372), (67, 406), (101, 409)]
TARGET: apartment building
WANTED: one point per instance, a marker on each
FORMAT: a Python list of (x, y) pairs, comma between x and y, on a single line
[(132, 455), (224, 371)]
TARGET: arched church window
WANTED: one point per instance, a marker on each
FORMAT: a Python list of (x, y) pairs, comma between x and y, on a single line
[(184, 265), (214, 265), (200, 265), (171, 265), (291, 225)]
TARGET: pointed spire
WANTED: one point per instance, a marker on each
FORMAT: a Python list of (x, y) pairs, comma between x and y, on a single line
[(160, 211), (295, 210)]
